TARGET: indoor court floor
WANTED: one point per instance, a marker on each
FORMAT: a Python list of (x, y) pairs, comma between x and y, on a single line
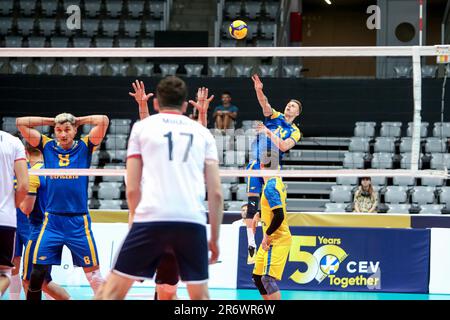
[(146, 293)]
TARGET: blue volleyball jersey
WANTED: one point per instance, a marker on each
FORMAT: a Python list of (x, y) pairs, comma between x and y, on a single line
[(281, 128), (22, 218), (67, 194), (38, 187)]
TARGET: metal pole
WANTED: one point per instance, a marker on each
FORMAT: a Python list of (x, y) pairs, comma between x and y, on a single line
[(417, 92)]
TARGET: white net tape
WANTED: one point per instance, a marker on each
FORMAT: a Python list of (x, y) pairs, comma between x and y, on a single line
[(401, 51), (263, 173)]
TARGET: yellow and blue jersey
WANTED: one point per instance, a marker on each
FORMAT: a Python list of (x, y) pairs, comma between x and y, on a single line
[(22, 219), (273, 197), (281, 128), (68, 194), (23, 228), (38, 188)]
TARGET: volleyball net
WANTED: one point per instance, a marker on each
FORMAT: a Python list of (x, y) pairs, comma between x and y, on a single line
[(367, 111)]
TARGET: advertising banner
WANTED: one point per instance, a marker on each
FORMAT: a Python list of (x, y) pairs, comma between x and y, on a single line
[(350, 259)]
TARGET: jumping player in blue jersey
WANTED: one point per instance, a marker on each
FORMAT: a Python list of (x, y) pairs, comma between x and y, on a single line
[(34, 206), (277, 135), (67, 220)]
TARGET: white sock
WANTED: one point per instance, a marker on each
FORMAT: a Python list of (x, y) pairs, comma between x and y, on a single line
[(251, 238), (95, 279), (15, 287)]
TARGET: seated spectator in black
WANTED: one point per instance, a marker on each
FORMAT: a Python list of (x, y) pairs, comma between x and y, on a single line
[(226, 113), (365, 199)]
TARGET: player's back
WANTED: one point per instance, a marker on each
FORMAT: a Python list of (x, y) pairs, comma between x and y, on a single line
[(10, 150), (173, 149)]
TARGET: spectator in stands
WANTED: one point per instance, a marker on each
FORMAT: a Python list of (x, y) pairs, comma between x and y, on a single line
[(226, 113), (366, 199), (243, 215)]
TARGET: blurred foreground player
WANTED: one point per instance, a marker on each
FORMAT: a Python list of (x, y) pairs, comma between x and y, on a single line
[(22, 236), (12, 163), (170, 157), (33, 206), (67, 220), (167, 274)]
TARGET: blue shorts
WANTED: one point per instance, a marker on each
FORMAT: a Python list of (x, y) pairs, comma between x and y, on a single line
[(254, 184), (148, 243), (74, 232), (28, 256), (22, 236)]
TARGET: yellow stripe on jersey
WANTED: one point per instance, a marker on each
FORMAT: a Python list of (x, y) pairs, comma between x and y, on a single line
[(25, 260), (275, 114), (85, 139), (89, 239), (34, 183), (38, 242), (45, 140), (296, 134)]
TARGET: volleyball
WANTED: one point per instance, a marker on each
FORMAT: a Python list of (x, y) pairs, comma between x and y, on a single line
[(238, 29)]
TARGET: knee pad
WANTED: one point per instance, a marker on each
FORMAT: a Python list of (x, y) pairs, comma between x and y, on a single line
[(252, 207), (270, 284), (258, 283), (5, 273), (37, 277)]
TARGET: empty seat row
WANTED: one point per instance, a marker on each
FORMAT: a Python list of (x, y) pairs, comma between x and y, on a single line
[(97, 67), (77, 42), (388, 144), (88, 67), (391, 208), (428, 71), (112, 8), (380, 160), (420, 195), (88, 27), (381, 181), (394, 129), (240, 70), (251, 9)]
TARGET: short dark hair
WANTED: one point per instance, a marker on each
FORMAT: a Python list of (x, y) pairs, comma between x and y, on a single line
[(300, 106), (226, 92), (171, 92)]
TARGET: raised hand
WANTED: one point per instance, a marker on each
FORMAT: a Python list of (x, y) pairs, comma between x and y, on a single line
[(202, 103), (257, 82), (139, 92)]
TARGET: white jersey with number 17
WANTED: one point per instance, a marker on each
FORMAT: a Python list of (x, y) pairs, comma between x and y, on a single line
[(11, 150), (173, 149)]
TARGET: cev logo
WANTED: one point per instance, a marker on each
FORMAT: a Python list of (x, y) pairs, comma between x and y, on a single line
[(329, 255)]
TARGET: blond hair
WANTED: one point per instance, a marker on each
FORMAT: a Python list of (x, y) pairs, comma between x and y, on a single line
[(65, 117)]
